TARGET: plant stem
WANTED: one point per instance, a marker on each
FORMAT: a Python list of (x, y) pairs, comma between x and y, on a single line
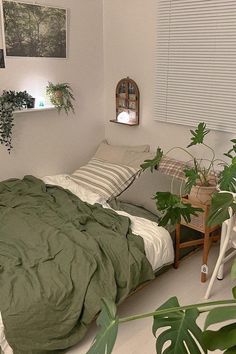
[(180, 148), (176, 309)]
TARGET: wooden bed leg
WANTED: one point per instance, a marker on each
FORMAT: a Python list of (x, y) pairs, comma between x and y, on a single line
[(177, 245), (204, 269)]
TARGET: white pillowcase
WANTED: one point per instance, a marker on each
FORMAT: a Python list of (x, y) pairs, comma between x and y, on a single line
[(65, 181)]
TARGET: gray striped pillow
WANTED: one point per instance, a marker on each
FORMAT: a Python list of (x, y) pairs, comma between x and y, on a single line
[(105, 178)]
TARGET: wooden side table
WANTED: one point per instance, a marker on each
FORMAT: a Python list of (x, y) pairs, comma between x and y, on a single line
[(197, 223)]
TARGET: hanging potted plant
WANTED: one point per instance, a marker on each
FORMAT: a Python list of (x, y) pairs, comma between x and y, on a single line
[(200, 183), (9, 102), (61, 96)]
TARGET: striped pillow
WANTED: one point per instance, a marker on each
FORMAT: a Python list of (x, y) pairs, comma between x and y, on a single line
[(105, 178)]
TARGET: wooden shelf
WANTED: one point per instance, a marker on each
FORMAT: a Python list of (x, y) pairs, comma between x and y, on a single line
[(130, 124), (127, 100), (38, 109)]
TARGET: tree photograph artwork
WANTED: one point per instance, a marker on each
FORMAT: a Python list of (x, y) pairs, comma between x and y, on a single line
[(34, 30)]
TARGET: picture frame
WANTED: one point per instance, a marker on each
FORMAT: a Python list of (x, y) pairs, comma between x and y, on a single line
[(47, 37), (2, 46)]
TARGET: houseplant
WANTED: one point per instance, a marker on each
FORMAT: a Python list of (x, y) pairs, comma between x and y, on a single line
[(61, 96), (9, 102), (200, 174), (179, 327)]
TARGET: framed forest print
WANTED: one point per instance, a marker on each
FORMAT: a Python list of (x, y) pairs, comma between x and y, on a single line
[(2, 57), (34, 30)]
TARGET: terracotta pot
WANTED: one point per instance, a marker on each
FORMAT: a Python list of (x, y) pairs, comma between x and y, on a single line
[(58, 97), (200, 194)]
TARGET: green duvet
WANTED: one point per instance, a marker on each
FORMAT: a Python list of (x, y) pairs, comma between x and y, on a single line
[(58, 257)]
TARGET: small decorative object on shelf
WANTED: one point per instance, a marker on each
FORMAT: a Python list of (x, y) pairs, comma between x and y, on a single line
[(127, 103), (61, 96)]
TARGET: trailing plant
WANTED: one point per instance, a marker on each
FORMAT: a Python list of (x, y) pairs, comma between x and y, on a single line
[(61, 96), (198, 172), (180, 331), (9, 102)]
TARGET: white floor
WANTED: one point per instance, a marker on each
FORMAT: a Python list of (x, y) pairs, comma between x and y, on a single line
[(136, 337)]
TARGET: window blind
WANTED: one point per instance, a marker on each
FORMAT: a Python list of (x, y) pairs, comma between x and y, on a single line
[(196, 63)]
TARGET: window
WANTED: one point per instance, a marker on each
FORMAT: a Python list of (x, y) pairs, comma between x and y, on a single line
[(196, 63)]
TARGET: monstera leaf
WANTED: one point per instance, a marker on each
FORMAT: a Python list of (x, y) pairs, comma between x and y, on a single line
[(154, 163), (199, 134), (106, 337), (219, 210), (180, 329), (172, 209), (224, 338)]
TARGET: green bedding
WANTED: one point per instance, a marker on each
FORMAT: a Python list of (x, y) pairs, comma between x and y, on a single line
[(58, 257)]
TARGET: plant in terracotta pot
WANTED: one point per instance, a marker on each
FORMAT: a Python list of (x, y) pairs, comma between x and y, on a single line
[(61, 96), (201, 179)]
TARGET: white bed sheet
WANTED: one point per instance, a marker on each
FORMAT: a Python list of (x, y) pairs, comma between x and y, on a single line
[(157, 241)]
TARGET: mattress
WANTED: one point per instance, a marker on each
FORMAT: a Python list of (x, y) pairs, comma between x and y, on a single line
[(157, 241)]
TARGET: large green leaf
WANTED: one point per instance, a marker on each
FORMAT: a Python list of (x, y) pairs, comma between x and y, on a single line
[(172, 209), (231, 351), (227, 181), (154, 163), (219, 315), (232, 150), (192, 176), (180, 329), (223, 339), (233, 270), (106, 337), (199, 134), (219, 210)]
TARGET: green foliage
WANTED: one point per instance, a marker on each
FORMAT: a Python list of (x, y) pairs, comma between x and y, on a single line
[(9, 102), (154, 163), (227, 181), (180, 328), (20, 99), (192, 176), (219, 210), (176, 326), (233, 271), (232, 150), (108, 321), (225, 337), (61, 96), (198, 134), (172, 209)]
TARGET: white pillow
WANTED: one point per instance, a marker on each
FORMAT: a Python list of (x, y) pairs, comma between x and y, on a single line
[(116, 153), (105, 178)]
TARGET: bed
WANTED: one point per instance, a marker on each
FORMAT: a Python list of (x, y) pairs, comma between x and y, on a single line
[(64, 247)]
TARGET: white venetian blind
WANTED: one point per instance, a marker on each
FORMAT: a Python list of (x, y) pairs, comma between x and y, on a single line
[(196, 63)]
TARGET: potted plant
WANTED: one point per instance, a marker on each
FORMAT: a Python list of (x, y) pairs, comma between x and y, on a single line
[(201, 178), (225, 198), (9, 102), (61, 96)]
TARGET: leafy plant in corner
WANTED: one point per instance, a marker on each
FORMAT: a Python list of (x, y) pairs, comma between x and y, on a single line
[(198, 173), (61, 96), (180, 330), (9, 102)]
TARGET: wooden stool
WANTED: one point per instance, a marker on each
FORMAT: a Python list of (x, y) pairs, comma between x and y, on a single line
[(197, 223)]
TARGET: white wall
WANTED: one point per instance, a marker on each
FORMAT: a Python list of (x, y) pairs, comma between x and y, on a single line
[(44, 142), (129, 45)]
